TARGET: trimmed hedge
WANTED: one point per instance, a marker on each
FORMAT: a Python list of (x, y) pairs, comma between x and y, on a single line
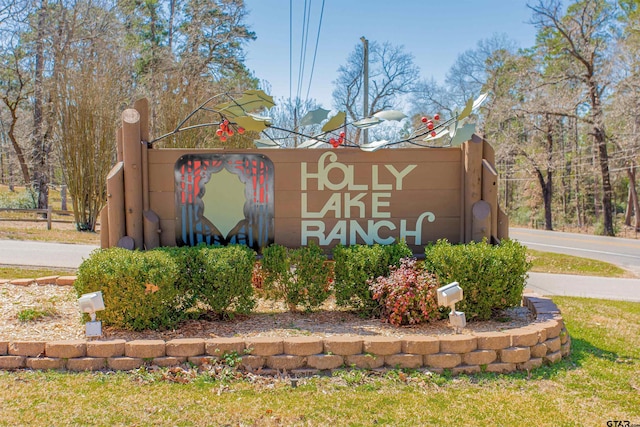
[(159, 288), (492, 276), (138, 287), (299, 277), (226, 285), (356, 265)]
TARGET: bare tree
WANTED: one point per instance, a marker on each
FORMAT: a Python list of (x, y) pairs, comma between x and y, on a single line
[(15, 91), (581, 36), (466, 79), (86, 123), (625, 107), (392, 74), (184, 54)]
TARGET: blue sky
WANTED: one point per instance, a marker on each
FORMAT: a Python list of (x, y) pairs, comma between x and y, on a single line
[(435, 32)]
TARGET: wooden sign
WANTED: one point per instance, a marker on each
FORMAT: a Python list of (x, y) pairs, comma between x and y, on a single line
[(296, 196)]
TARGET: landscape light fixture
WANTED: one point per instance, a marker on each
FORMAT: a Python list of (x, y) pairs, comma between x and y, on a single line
[(448, 296), (90, 303)]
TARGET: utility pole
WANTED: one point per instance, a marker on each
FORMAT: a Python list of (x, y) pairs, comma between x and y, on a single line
[(365, 95)]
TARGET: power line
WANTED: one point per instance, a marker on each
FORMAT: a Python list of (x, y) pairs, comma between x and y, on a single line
[(315, 52), (303, 45), (290, 46), (594, 173)]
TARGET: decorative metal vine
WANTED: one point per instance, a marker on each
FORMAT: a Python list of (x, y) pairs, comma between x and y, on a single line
[(236, 115)]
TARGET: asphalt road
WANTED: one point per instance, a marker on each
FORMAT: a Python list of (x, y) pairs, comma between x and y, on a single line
[(584, 286), (43, 254), (622, 252)]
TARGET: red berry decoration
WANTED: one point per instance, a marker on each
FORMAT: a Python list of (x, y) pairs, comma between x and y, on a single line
[(429, 125), (436, 117), (219, 132), (424, 120), (433, 134), (223, 138), (342, 134), (230, 132), (240, 131), (225, 122)]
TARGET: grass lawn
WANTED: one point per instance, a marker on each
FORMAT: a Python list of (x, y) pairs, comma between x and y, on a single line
[(599, 382), (549, 262), (32, 273)]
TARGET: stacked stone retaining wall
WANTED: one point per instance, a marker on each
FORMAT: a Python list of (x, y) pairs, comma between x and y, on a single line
[(544, 341)]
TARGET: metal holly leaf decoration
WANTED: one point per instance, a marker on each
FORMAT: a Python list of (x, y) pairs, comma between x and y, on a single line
[(335, 122), (244, 113), (314, 117), (390, 115), (250, 100)]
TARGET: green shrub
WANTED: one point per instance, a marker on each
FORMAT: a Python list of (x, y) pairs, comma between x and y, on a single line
[(224, 282), (356, 265), (138, 287), (407, 295), (492, 277), (299, 277), (192, 267), (25, 199)]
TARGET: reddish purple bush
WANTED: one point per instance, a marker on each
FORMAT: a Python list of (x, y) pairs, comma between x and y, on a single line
[(408, 295)]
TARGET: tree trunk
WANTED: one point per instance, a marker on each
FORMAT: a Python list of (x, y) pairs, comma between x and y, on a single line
[(17, 149), (547, 193), (600, 141), (576, 173), (633, 205), (39, 148)]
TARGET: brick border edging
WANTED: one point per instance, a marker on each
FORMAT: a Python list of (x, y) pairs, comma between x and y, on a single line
[(47, 280), (545, 341)]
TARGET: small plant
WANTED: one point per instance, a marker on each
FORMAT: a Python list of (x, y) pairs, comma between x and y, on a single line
[(34, 314), (407, 295), (352, 377), (299, 277), (231, 359)]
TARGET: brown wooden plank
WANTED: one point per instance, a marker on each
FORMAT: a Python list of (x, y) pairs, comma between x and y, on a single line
[(171, 155), (488, 153), (142, 106), (490, 194), (503, 224), (115, 204), (288, 231), (372, 177), (481, 221), (132, 175), (168, 155), (163, 204), (151, 230), (104, 227), (161, 177), (168, 235), (402, 204), (473, 180)]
